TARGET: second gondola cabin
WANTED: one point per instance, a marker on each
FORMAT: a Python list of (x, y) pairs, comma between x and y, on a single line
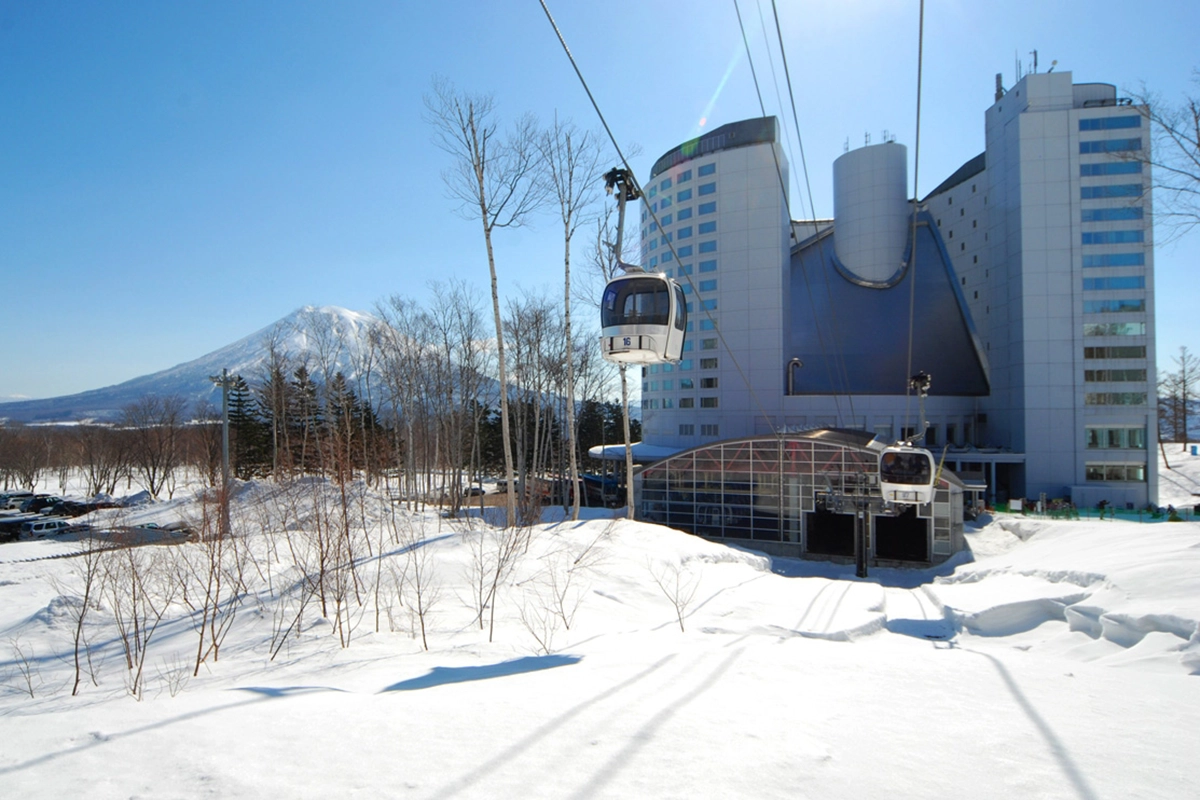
[(906, 475), (643, 318)]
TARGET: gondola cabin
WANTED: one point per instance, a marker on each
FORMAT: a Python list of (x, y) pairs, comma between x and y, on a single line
[(906, 475), (643, 318)]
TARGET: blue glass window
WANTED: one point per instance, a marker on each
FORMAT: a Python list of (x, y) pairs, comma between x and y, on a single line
[(684, 176), (688, 345), (708, 247), (709, 305), (1116, 282), (707, 169), (707, 208), (685, 194), (1111, 168), (685, 251), (666, 256), (1111, 145), (686, 288), (653, 193), (1106, 237), (1115, 190), (1108, 214), (708, 286), (654, 261), (707, 188), (666, 184), (685, 364), (684, 232), (708, 266), (1115, 260), (685, 269), (1110, 123), (666, 220), (707, 227), (654, 244), (687, 383), (707, 325), (665, 203), (1113, 306), (684, 213)]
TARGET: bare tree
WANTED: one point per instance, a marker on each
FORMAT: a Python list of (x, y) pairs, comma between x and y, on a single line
[(155, 423), (571, 161), (678, 584), (1178, 391), (1174, 157), (493, 180)]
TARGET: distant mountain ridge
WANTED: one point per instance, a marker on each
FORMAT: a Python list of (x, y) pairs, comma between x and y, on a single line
[(305, 330)]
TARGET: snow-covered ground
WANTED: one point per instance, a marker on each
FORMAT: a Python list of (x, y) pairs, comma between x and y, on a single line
[(1062, 659)]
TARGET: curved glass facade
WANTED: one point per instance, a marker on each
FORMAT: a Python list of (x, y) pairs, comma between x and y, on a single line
[(798, 491)]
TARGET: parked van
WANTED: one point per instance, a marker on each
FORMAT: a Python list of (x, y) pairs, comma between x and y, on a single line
[(39, 528)]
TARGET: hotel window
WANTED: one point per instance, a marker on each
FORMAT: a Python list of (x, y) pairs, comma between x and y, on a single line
[(666, 184), (708, 247), (684, 232), (687, 429), (1117, 282), (708, 266), (1102, 438), (685, 364), (709, 430), (707, 325), (682, 195), (708, 227), (1114, 399), (709, 383), (1111, 145), (708, 402), (688, 346), (1111, 168), (709, 285), (1113, 306), (709, 305), (707, 208), (684, 213), (708, 344), (706, 188), (1111, 376), (707, 169), (1110, 123), (666, 257), (685, 251), (1115, 260), (687, 402), (666, 220), (1104, 237), (1138, 351), (684, 176), (668, 385), (1113, 190), (685, 269), (1110, 214), (665, 203), (708, 363), (1114, 329), (1115, 472), (686, 383)]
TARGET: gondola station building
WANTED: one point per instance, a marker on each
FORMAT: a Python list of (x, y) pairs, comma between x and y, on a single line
[(1029, 275)]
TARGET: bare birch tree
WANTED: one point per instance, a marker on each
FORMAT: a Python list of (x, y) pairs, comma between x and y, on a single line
[(493, 179)]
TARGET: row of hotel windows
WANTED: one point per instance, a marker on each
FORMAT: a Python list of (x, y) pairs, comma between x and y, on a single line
[(1115, 282), (683, 177), (1114, 375), (682, 214), (688, 429), (1115, 399), (1114, 237), (1111, 145), (685, 364), (1125, 438), (1115, 260), (682, 196), (1114, 329), (1110, 214), (1112, 306), (1137, 351), (684, 402), (1110, 123), (1111, 190), (684, 383), (1115, 472)]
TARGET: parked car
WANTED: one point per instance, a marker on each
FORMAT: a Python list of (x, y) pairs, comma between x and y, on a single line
[(14, 499), (35, 504), (40, 528)]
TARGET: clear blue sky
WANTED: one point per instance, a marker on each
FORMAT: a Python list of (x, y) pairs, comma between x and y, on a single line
[(176, 175)]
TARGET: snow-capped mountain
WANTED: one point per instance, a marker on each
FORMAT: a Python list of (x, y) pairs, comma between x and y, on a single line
[(314, 333)]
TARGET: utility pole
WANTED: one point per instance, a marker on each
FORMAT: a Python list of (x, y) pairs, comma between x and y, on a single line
[(224, 381), (622, 183)]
